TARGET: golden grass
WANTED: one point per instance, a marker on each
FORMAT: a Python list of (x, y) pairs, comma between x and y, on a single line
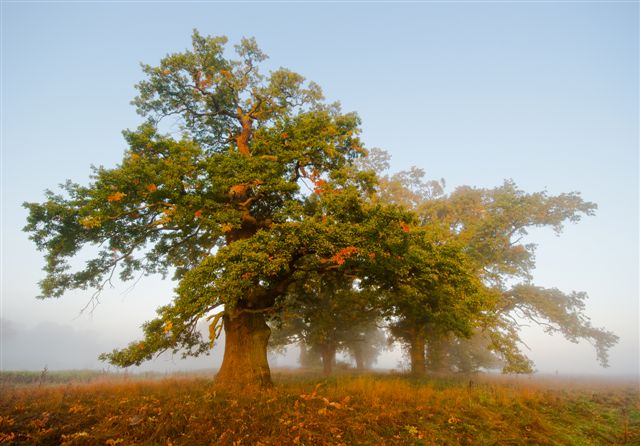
[(307, 410)]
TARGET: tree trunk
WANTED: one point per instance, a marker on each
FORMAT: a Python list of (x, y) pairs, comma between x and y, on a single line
[(328, 358), (303, 354), (245, 351), (417, 352)]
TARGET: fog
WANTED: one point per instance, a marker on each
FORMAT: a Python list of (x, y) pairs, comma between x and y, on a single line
[(62, 347)]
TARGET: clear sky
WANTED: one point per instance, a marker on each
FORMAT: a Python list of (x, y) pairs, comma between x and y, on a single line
[(545, 93)]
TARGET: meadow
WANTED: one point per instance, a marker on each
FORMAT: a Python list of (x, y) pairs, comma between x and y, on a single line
[(86, 408)]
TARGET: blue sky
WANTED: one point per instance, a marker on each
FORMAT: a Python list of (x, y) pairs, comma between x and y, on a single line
[(545, 93)]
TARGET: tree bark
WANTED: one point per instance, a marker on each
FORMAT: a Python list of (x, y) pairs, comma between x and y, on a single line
[(243, 138), (358, 355), (328, 358), (245, 351), (417, 353)]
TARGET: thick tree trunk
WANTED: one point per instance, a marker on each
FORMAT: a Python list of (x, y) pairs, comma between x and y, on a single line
[(358, 355), (417, 353), (245, 351), (328, 358)]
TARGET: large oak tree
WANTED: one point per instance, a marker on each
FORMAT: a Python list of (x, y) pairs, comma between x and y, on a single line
[(258, 193), (253, 195)]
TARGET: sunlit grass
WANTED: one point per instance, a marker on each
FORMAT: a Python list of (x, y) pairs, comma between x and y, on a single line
[(309, 410)]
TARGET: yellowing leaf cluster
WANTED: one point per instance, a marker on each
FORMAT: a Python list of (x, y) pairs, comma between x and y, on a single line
[(90, 222)]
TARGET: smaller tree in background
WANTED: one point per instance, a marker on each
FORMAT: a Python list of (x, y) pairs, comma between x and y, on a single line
[(364, 344), (328, 314), (436, 288), (490, 226)]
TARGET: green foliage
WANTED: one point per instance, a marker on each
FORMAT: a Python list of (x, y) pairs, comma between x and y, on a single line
[(493, 222), (489, 227), (328, 313), (258, 192), (557, 312), (224, 208)]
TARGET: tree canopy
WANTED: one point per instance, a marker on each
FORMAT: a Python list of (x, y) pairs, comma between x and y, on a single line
[(491, 225)]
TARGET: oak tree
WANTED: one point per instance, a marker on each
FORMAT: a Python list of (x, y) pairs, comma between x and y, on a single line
[(252, 195), (491, 225)]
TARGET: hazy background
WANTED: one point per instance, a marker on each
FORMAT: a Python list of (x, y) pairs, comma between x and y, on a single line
[(543, 93)]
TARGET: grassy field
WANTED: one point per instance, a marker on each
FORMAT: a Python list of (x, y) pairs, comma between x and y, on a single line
[(304, 409)]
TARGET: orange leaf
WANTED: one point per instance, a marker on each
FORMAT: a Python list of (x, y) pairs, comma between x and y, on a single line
[(320, 189), (344, 253), (152, 187), (116, 196), (197, 214)]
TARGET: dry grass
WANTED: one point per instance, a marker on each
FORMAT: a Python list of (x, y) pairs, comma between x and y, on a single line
[(307, 410)]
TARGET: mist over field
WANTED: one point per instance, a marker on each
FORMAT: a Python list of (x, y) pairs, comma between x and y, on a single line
[(62, 347)]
